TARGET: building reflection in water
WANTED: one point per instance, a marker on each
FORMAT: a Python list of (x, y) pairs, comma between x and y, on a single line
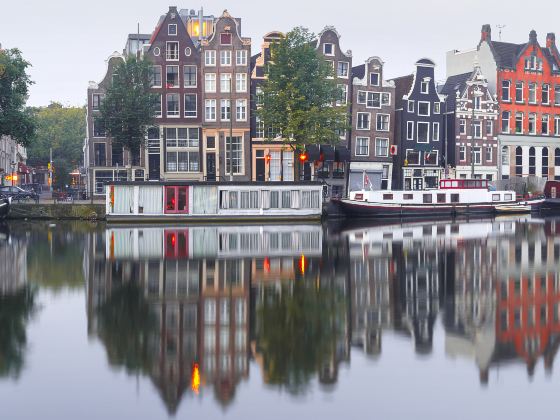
[(191, 307)]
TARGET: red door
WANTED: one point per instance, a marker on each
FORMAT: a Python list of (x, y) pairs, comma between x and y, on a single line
[(177, 200)]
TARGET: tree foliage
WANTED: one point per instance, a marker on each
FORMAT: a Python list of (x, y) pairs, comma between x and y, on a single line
[(62, 129), (299, 93), (16, 120), (129, 106)]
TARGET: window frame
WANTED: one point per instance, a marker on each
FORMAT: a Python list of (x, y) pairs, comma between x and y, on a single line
[(379, 139), (195, 105), (185, 66), (427, 124), (424, 103), (378, 75), (358, 120), (379, 117), (360, 147), (210, 58)]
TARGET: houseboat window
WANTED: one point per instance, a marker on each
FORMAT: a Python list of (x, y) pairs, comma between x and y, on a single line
[(427, 198), (176, 199), (286, 200), (495, 197), (306, 199), (508, 197), (249, 200), (315, 203), (356, 197), (233, 202), (455, 184), (387, 196), (408, 196), (274, 200), (441, 198), (454, 198)]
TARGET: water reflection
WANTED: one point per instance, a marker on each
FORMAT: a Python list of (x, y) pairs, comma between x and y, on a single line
[(193, 308)]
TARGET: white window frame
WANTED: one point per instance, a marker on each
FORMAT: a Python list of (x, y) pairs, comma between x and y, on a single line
[(210, 58), (358, 120), (547, 90), (347, 69), (543, 116), (462, 153), (388, 96), (410, 105), (178, 115), (429, 108), (178, 85), (502, 119), (435, 131), (477, 129), (225, 58), (159, 113), (489, 128), (377, 122), (425, 84), (344, 88), (160, 77), (488, 151), (241, 82), (332, 53), (378, 78), (241, 104), (167, 56), (406, 156), (195, 77), (358, 139), (534, 130), (223, 104), (508, 89), (462, 126), (377, 140), (437, 108), (364, 102), (210, 104), (169, 26), (195, 105), (240, 57), (557, 125), (427, 133), (410, 130), (225, 82), (210, 78)]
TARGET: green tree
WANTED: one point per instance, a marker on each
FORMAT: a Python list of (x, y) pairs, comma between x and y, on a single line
[(129, 107), (62, 129), (16, 120), (299, 94)]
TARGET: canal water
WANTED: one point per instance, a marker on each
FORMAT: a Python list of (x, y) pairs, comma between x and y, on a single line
[(427, 320)]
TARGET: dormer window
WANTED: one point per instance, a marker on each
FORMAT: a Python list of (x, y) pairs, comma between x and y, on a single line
[(172, 51), (172, 29), (328, 49), (374, 79), (424, 86), (225, 38)]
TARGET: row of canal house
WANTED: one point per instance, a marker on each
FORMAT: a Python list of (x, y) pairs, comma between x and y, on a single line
[(496, 115)]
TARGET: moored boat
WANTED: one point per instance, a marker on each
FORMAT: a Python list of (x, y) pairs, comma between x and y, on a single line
[(551, 197), (454, 197)]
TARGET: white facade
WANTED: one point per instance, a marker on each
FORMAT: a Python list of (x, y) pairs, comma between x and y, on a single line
[(10, 154)]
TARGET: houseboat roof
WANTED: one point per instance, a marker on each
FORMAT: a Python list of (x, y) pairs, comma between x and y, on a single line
[(217, 183)]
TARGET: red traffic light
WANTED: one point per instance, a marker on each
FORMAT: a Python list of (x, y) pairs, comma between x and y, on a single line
[(303, 157)]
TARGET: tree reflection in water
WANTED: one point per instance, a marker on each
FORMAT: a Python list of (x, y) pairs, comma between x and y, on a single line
[(15, 312)]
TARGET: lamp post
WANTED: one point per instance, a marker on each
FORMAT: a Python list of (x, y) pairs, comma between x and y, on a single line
[(476, 94), (13, 165)]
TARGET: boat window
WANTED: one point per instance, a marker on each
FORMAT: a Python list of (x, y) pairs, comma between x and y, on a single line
[(408, 196), (286, 199), (508, 197), (427, 198), (479, 184), (454, 184), (495, 197), (441, 198), (274, 200), (454, 198), (359, 197), (387, 196)]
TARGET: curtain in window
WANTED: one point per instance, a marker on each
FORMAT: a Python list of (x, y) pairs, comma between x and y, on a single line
[(151, 200), (123, 199), (205, 200), (288, 166), (295, 199), (204, 241), (265, 199)]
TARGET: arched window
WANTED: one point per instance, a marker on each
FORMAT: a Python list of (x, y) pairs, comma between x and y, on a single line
[(505, 155), (518, 161), (544, 162), (532, 161), (557, 156)]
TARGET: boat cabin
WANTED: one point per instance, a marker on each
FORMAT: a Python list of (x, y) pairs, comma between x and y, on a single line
[(448, 184)]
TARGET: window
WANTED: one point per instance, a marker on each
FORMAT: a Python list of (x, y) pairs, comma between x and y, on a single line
[(557, 95), (422, 132), (436, 107), (241, 57), (476, 154), (410, 106), (506, 97), (155, 76), (462, 126), (489, 154), (557, 156), (532, 161), (95, 101), (172, 104), (489, 128), (225, 110), (153, 137), (225, 58), (381, 147), (544, 162), (235, 154), (172, 51), (225, 82), (176, 200), (342, 92), (259, 127), (424, 86), (545, 94), (241, 82), (505, 122), (361, 99), (544, 124), (362, 146), (505, 155), (342, 69), (189, 76), (477, 102), (373, 100), (462, 153), (519, 92), (426, 198), (440, 198), (158, 110), (435, 131), (241, 110), (172, 77), (477, 128), (181, 137), (328, 49), (100, 154), (431, 158), (363, 121), (519, 122), (557, 125), (533, 63), (190, 105), (382, 122), (385, 98), (532, 93), (410, 130), (532, 123), (424, 108), (374, 79), (172, 29), (210, 58), (210, 82), (413, 157), (225, 38), (210, 110), (518, 161)]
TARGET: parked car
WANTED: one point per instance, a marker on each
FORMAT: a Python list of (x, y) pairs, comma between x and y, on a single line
[(38, 188), (18, 194)]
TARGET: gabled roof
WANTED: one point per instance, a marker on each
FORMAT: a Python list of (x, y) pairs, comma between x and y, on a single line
[(359, 71), (402, 85), (455, 83), (506, 53)]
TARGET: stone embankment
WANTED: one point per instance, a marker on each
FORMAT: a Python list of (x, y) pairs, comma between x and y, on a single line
[(66, 211)]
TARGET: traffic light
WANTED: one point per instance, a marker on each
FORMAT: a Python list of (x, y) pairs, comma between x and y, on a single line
[(303, 157)]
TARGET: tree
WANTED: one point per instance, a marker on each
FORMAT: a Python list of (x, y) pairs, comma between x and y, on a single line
[(129, 107), (16, 120), (300, 93), (61, 129)]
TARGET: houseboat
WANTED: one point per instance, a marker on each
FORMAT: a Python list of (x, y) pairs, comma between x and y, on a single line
[(552, 197), (5, 203), (130, 201), (454, 197)]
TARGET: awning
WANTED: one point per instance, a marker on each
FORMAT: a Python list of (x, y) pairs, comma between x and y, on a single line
[(341, 154), (327, 153), (312, 152), (22, 168)]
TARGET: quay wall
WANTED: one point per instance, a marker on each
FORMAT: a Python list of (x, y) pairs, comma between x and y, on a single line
[(57, 211)]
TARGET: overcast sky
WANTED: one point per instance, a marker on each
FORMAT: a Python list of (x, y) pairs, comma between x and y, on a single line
[(67, 41)]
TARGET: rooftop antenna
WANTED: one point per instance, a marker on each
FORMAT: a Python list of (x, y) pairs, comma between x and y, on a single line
[(500, 27)]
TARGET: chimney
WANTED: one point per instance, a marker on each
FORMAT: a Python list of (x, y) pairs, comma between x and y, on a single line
[(550, 40), (486, 33), (533, 37)]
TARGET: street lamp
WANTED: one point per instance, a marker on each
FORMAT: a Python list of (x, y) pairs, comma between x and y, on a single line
[(13, 165), (476, 94)]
